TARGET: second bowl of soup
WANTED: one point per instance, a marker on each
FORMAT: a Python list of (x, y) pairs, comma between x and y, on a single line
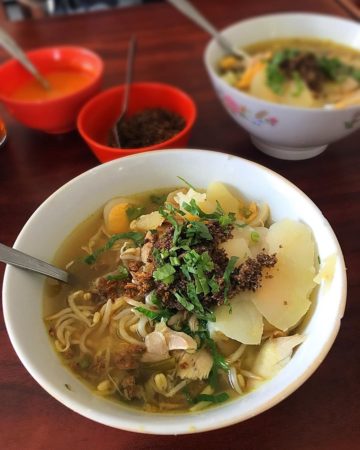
[(301, 89)]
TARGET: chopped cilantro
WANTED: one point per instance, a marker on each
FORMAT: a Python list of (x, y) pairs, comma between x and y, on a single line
[(355, 73), (154, 315), (218, 398), (174, 261), (121, 274), (255, 236), (299, 84), (153, 298), (167, 213), (158, 199), (274, 75), (187, 183), (219, 360), (164, 274), (135, 236), (187, 395), (332, 67), (192, 295), (183, 301), (219, 215), (227, 273), (336, 70), (133, 212), (214, 286), (198, 230)]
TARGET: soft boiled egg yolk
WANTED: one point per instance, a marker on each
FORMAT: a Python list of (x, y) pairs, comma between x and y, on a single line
[(116, 219)]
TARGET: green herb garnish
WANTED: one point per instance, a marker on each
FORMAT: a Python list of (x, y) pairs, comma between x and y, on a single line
[(198, 230), (164, 274), (154, 315), (121, 274), (187, 183), (255, 236), (184, 302), (168, 214), (158, 199), (219, 215), (135, 236), (133, 212), (299, 84), (333, 68), (187, 395), (274, 75), (218, 398), (227, 273)]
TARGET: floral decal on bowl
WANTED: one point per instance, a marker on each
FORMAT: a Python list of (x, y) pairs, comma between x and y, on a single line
[(353, 122), (259, 118)]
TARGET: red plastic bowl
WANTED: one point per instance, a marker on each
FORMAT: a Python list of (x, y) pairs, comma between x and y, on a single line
[(56, 115), (99, 115)]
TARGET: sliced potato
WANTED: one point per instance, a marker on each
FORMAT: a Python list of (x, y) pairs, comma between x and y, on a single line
[(283, 298), (259, 88), (304, 99), (237, 247), (244, 323), (217, 191)]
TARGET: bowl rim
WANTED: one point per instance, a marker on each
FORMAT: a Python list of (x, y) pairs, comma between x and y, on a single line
[(157, 427), (306, 15), (98, 64), (141, 84)]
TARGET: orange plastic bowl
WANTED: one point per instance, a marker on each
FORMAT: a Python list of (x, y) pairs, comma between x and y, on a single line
[(98, 116), (57, 115)]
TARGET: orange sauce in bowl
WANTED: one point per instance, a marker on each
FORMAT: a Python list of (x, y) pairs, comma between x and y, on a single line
[(62, 82), (2, 132)]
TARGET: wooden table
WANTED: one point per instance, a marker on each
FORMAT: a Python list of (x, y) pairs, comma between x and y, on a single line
[(324, 413)]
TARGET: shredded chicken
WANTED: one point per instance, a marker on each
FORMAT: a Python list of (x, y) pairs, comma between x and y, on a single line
[(131, 253), (156, 347), (194, 366), (163, 339), (274, 354)]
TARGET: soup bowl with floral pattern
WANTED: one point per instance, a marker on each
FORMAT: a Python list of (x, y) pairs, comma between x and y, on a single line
[(281, 131)]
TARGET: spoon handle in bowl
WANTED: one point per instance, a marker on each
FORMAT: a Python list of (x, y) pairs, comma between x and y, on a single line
[(16, 258), (192, 13), (12, 47)]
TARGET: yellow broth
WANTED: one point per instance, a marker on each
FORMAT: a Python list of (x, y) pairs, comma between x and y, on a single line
[(314, 82), (94, 361)]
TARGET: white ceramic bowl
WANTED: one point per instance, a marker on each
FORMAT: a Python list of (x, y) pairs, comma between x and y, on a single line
[(282, 131), (76, 200)]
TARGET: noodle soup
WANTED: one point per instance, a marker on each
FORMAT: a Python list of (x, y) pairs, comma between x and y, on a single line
[(184, 298), (298, 72)]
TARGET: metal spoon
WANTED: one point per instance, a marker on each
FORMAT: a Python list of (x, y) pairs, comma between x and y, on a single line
[(14, 50), (16, 258), (128, 80), (192, 13)]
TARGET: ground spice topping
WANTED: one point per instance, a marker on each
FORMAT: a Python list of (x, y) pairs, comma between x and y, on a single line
[(149, 127)]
